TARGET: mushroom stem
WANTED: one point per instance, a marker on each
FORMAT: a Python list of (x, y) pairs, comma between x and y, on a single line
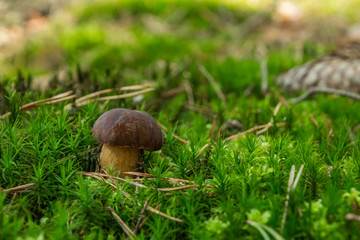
[(122, 159)]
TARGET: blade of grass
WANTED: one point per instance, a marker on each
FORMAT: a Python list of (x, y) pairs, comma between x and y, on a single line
[(259, 228), (212, 81)]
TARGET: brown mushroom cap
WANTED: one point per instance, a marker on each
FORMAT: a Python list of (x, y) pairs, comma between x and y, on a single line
[(128, 128)]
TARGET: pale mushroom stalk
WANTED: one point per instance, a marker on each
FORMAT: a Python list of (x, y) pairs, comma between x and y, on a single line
[(124, 159)]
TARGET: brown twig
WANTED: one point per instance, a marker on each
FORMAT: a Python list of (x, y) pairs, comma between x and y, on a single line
[(122, 224), (141, 216), (21, 188), (106, 91), (117, 178), (60, 100), (139, 174), (271, 122), (316, 90), (101, 175), (127, 195), (57, 98), (169, 94), (172, 93), (177, 188), (242, 134), (313, 120), (153, 210), (352, 217), (169, 179), (281, 99), (277, 108), (37, 103), (121, 96), (12, 201), (148, 216), (202, 150), (327, 121)]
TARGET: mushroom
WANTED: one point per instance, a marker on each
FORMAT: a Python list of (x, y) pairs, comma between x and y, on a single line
[(124, 133)]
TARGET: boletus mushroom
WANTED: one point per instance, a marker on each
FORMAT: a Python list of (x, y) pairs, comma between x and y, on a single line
[(124, 133)]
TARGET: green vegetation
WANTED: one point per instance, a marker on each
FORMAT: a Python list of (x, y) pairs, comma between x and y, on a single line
[(110, 44)]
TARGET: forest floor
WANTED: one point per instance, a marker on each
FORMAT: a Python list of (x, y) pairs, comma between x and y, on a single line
[(239, 160)]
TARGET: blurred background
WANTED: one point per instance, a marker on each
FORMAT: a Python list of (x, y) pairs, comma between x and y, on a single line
[(129, 41)]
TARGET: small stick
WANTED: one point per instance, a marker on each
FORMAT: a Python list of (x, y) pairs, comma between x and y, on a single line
[(141, 216), (282, 99), (60, 100), (122, 224), (316, 90), (105, 91), (107, 175), (270, 124), (263, 128), (140, 185), (172, 92), (177, 188), (327, 121), (130, 181), (139, 174), (127, 195), (36, 103), (142, 224), (169, 94), (12, 201), (153, 210), (212, 82), (169, 179), (61, 95), (121, 96), (177, 137), (254, 129), (20, 188), (313, 120), (202, 150), (352, 217), (31, 105), (277, 108)]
